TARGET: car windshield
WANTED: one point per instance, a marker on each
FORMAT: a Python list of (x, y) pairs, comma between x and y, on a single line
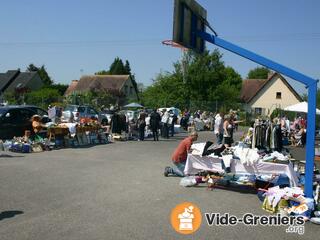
[(70, 108)]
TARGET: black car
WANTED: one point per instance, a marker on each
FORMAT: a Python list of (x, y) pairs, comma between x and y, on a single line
[(15, 120)]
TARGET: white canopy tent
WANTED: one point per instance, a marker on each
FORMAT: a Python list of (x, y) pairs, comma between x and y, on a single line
[(133, 105), (300, 107)]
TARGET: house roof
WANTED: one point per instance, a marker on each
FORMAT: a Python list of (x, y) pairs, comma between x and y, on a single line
[(7, 78), (71, 87), (251, 87), (21, 80), (101, 82)]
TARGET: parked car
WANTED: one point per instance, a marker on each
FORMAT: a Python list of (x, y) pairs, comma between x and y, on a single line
[(15, 120), (75, 112), (39, 111)]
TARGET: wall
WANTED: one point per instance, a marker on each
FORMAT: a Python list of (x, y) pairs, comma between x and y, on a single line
[(266, 98)]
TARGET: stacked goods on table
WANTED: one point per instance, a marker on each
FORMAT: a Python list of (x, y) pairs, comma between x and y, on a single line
[(57, 136), (91, 133)]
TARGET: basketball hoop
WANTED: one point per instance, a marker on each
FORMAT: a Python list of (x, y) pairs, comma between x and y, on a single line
[(174, 44)]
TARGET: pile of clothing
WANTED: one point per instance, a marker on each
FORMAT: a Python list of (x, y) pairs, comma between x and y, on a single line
[(289, 201), (249, 156)]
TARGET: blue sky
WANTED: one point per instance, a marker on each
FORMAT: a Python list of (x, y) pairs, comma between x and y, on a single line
[(77, 37)]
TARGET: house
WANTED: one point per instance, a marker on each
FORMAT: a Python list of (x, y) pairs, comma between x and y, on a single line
[(16, 81), (262, 96), (72, 88), (120, 86)]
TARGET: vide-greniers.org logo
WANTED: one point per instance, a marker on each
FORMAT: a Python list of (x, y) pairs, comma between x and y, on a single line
[(186, 218)]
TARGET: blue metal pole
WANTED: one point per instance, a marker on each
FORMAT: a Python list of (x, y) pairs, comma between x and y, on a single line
[(312, 93), (311, 125)]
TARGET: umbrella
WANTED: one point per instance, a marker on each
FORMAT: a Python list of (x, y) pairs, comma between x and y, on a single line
[(133, 105), (300, 107)]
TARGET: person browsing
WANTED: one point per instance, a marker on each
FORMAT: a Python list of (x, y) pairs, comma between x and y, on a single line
[(180, 155)]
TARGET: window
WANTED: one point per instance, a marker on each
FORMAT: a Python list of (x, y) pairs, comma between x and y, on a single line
[(131, 88), (278, 95), (39, 111), (126, 89), (25, 115), (258, 111)]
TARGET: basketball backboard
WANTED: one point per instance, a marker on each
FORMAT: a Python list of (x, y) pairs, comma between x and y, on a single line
[(189, 17)]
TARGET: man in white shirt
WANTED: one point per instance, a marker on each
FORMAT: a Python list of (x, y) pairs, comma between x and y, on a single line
[(218, 127), (164, 122)]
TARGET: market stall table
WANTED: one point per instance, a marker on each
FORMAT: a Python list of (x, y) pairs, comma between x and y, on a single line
[(61, 131), (196, 163)]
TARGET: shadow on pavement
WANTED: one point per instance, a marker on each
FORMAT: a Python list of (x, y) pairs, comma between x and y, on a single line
[(8, 156), (9, 214)]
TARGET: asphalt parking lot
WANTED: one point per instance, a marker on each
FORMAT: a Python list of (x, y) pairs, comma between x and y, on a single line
[(114, 191)]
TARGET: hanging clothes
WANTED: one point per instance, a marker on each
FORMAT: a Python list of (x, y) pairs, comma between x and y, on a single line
[(267, 136)]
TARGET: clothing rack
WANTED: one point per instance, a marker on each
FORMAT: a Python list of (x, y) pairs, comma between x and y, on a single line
[(267, 136)]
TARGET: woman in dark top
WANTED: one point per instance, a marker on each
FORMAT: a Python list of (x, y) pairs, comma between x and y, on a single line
[(228, 131), (155, 120), (141, 126)]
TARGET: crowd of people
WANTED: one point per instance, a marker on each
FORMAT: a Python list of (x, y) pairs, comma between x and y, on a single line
[(153, 123), (162, 123), (296, 131)]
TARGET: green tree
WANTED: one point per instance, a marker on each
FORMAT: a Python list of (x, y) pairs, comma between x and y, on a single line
[(167, 90), (258, 73), (117, 67), (47, 81), (42, 97), (199, 79), (102, 72), (127, 68), (61, 88), (11, 98)]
